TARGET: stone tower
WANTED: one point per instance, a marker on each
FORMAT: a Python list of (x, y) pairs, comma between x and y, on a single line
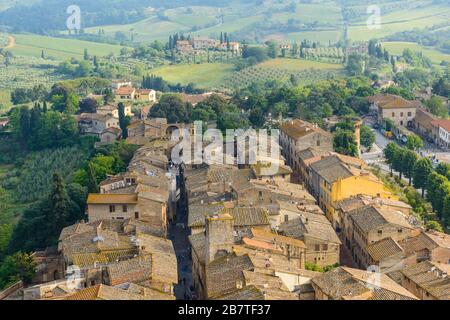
[(219, 236)]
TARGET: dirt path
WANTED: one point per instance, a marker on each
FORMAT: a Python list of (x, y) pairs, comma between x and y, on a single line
[(11, 43)]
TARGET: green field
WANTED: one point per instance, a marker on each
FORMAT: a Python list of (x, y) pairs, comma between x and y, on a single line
[(400, 21), (203, 75), (237, 16), (58, 48), (281, 70), (223, 76), (5, 100), (297, 64), (397, 48)]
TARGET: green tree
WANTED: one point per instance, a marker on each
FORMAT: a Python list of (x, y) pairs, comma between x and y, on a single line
[(232, 118), (443, 169), (344, 142), (414, 142), (59, 207), (257, 118), (280, 109), (421, 172), (438, 188), (389, 154), (19, 266), (24, 124), (272, 49), (437, 107), (397, 162), (367, 137), (92, 183), (446, 211), (172, 107), (5, 237), (409, 161), (123, 121)]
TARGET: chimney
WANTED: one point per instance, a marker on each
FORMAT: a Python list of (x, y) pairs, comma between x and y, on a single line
[(219, 236)]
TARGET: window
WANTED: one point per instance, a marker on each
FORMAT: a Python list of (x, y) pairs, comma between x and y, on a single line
[(318, 143), (324, 247), (409, 114), (393, 114), (92, 283), (112, 208), (400, 230), (124, 208), (401, 114), (136, 215), (380, 232), (317, 247)]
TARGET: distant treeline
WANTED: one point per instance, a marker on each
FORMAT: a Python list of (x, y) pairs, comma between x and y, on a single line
[(51, 15)]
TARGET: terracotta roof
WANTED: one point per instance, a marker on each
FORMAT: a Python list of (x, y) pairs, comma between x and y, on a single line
[(247, 216), (372, 217), (442, 123), (262, 234), (83, 260), (95, 116), (388, 101), (164, 259), (144, 91), (131, 270), (297, 128), (198, 212), (246, 293), (225, 275), (148, 293), (196, 98), (383, 249), (418, 243), (441, 239), (432, 277), (310, 153), (111, 198), (424, 118), (272, 287), (354, 284), (309, 224), (269, 263), (124, 91), (103, 292), (334, 172)]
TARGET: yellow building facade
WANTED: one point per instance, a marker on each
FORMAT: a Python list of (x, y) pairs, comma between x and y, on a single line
[(366, 184)]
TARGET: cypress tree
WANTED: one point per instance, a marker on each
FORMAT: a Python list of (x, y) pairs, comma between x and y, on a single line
[(123, 120), (92, 180), (24, 124), (58, 206)]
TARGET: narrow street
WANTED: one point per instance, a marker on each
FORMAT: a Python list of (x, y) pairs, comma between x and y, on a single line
[(178, 234)]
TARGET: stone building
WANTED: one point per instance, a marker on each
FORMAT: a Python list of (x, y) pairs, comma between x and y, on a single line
[(427, 280), (353, 284), (370, 224), (297, 135), (322, 243), (394, 108)]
